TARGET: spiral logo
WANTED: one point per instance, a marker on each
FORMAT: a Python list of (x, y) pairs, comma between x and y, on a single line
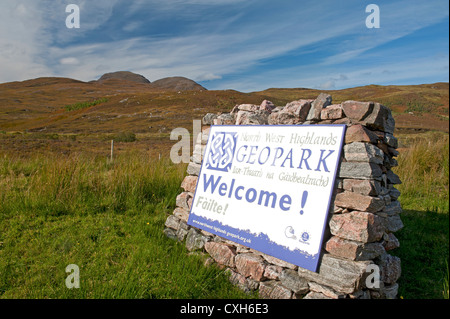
[(221, 152)]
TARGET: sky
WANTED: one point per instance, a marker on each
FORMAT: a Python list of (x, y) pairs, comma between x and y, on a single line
[(245, 45)]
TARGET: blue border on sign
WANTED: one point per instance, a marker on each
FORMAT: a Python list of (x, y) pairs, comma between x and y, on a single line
[(261, 242)]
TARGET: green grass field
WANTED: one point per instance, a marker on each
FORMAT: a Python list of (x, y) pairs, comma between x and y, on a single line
[(424, 241), (108, 218)]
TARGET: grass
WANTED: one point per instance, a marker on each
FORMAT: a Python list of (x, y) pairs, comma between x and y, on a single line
[(107, 218), (424, 171), (424, 251), (84, 105)]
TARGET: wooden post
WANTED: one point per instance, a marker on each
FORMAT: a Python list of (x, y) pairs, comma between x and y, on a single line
[(112, 150)]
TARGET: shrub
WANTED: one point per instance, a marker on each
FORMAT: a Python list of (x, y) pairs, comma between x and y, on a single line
[(125, 137), (83, 105)]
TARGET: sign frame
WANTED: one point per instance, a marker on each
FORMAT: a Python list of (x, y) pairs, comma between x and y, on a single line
[(220, 168)]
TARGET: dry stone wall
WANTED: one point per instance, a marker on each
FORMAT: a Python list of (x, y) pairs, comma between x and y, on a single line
[(363, 217)]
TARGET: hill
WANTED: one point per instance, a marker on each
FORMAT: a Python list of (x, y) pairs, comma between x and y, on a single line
[(178, 83), (33, 111), (123, 76), (416, 107)]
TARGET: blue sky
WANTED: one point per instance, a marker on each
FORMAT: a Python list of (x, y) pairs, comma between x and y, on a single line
[(246, 45)]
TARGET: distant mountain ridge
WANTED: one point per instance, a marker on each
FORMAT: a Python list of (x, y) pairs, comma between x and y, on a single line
[(125, 101), (178, 83)]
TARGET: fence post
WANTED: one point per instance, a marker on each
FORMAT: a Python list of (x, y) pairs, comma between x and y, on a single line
[(112, 150)]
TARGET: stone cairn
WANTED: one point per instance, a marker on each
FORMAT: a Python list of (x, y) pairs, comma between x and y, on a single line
[(363, 217)]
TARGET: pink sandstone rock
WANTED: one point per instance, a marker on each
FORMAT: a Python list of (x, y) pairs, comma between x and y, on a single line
[(332, 112), (267, 106), (359, 226), (359, 202), (250, 265), (273, 289), (189, 183), (359, 133), (357, 111), (353, 250), (223, 254)]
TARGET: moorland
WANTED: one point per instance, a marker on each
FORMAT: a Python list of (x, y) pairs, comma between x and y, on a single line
[(63, 201)]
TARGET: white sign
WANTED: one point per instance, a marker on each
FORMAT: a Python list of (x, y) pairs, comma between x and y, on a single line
[(269, 187)]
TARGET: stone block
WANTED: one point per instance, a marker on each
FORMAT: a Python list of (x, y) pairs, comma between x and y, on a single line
[(182, 200), (360, 170), (359, 202), (394, 208), (273, 289), (171, 233), (172, 222), (343, 276), (393, 178), (208, 119), (353, 250), (358, 133), (245, 284), (363, 152), (327, 291), (390, 268), (380, 119), (241, 117), (393, 223), (181, 213), (248, 107), (250, 265), (390, 242), (362, 186), (278, 262), (199, 152), (357, 111), (358, 226), (316, 295), (202, 137), (222, 253), (257, 118), (267, 106), (332, 112), (189, 183), (193, 169), (322, 101), (290, 279), (272, 272), (391, 140), (299, 109), (182, 233), (195, 240)]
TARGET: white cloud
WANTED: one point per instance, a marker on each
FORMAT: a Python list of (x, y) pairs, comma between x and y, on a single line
[(69, 61), (208, 77), (22, 42)]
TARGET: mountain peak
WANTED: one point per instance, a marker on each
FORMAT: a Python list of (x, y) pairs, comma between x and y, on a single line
[(178, 83), (124, 76)]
